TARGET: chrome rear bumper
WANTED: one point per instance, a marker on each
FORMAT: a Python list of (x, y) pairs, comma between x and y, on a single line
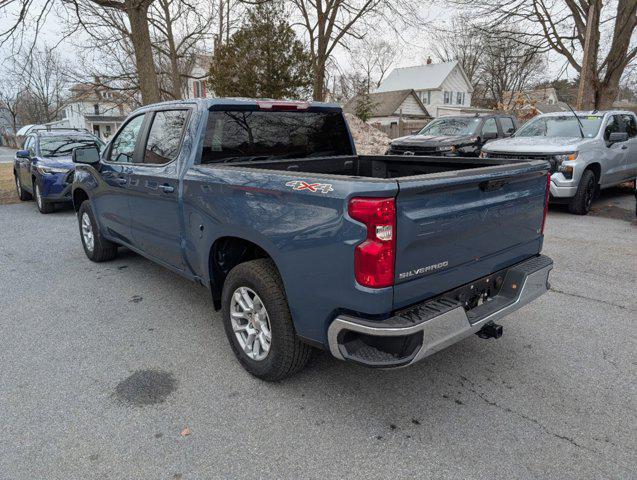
[(435, 324)]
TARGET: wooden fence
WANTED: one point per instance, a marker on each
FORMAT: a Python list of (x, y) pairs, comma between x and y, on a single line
[(401, 128)]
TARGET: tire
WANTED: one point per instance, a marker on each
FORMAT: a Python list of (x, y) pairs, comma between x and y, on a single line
[(581, 203), (287, 354), (43, 207), (101, 249), (22, 193)]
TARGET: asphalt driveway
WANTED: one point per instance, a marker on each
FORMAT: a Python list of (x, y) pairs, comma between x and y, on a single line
[(121, 370)]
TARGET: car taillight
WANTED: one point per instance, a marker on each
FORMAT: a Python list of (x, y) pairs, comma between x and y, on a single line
[(546, 200), (374, 258)]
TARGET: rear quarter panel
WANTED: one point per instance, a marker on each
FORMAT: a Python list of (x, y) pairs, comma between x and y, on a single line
[(309, 235)]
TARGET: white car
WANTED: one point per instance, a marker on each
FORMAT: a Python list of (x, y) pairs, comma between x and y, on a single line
[(587, 152)]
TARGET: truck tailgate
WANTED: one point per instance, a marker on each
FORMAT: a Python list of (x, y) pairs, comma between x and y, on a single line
[(455, 227)]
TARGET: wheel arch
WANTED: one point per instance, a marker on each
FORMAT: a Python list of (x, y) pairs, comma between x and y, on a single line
[(79, 196), (226, 253), (596, 168)]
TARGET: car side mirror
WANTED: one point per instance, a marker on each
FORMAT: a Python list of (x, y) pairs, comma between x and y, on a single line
[(86, 155), (489, 136), (617, 137), (510, 132), (23, 154)]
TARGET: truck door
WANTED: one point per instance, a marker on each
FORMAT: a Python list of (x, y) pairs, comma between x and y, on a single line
[(615, 152), (630, 159), (111, 202), (154, 189)]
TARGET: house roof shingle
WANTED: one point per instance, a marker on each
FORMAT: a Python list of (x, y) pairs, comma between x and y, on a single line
[(420, 77), (386, 103)]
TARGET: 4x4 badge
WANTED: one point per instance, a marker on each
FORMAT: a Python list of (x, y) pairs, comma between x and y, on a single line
[(312, 187)]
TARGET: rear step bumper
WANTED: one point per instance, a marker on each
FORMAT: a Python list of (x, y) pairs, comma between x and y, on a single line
[(419, 331)]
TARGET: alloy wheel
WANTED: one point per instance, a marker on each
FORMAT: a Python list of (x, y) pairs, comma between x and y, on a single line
[(87, 232), (250, 323)]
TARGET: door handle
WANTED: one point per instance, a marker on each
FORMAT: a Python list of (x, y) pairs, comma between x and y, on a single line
[(167, 188), (624, 147)]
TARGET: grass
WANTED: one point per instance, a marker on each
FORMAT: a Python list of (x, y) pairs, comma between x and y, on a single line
[(7, 185)]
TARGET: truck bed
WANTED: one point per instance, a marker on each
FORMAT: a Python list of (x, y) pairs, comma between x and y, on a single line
[(385, 166)]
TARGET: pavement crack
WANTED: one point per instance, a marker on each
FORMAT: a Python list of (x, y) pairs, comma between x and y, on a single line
[(562, 292), (469, 386)]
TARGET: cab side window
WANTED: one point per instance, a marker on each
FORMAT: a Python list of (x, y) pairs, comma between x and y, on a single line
[(630, 125), (123, 149), (508, 128), (489, 127), (164, 138), (613, 125)]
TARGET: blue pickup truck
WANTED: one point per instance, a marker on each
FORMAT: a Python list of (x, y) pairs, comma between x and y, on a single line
[(380, 260)]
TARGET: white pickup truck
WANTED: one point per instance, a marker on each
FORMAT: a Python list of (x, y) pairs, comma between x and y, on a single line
[(592, 151)]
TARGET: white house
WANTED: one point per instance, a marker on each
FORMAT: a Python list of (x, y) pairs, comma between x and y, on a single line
[(443, 88), (98, 109), (196, 85)]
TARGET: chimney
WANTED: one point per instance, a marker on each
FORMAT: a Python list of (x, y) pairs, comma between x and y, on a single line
[(428, 60)]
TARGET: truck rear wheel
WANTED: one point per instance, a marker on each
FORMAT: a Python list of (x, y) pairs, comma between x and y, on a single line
[(258, 324), (581, 203), (96, 247)]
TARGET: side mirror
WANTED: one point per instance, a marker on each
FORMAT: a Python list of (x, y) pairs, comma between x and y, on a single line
[(489, 136), (23, 154), (618, 137), (86, 155), (510, 132)]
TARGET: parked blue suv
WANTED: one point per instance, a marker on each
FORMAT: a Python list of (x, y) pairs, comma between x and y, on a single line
[(44, 169)]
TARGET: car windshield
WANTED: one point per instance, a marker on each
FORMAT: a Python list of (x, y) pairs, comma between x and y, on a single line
[(451, 126), (247, 135), (63, 146), (562, 126)]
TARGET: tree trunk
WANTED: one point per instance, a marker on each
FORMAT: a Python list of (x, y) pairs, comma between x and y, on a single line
[(618, 56), (586, 93), (318, 88), (175, 75), (140, 37)]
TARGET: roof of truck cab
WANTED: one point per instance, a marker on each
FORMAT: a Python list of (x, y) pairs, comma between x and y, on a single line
[(231, 101), (584, 113)]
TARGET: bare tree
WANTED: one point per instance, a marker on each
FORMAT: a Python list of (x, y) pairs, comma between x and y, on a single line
[(178, 31), (507, 66), (30, 17), (602, 32), (331, 23), (460, 41), (10, 107), (373, 58), (42, 80)]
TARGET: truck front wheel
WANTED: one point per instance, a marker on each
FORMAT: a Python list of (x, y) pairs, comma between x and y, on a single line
[(581, 203), (258, 324), (96, 247)]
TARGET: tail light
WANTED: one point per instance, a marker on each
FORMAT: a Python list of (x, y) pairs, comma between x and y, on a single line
[(546, 201), (374, 258)]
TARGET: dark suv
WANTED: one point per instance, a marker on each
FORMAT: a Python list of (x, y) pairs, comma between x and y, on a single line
[(457, 135), (44, 169)]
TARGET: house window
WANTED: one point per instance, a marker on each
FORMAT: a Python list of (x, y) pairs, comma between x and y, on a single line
[(448, 96), (199, 88), (96, 109), (459, 98), (108, 131), (425, 97)]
